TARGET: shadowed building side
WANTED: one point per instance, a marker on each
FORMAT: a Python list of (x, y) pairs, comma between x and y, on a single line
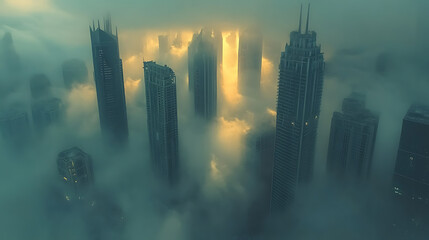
[(109, 82), (161, 102), (300, 87), (352, 141), (249, 63), (411, 176), (202, 69)]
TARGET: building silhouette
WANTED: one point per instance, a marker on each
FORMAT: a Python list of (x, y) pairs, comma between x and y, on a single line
[(46, 112), (75, 169), (352, 140), (163, 47), (109, 82), (298, 106), (161, 102), (202, 70), (411, 175), (40, 87), (15, 126), (249, 62)]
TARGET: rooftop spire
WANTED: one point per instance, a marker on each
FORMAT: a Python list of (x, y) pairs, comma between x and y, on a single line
[(300, 19), (308, 19), (98, 24)]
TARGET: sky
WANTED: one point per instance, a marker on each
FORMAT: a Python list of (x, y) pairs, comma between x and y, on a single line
[(378, 48)]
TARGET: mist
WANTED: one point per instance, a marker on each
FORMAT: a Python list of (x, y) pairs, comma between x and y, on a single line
[(378, 48)]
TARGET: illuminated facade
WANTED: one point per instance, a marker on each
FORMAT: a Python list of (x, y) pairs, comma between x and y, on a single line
[(202, 69), (109, 82), (298, 106), (75, 169), (249, 63), (161, 102), (411, 176), (352, 140)]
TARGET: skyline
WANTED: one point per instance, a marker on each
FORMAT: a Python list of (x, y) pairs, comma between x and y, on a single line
[(212, 154)]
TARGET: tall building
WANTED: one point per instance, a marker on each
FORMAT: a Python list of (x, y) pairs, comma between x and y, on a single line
[(352, 140), (161, 102), (163, 47), (15, 126), (411, 176), (249, 62), (202, 70), (75, 169), (46, 112), (298, 106), (109, 82)]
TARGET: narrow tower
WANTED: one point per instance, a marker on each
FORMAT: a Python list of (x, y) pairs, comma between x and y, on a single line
[(298, 106)]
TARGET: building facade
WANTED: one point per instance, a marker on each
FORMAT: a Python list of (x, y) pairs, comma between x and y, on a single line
[(75, 169), (161, 102), (352, 140), (411, 175), (249, 63), (109, 82), (298, 107), (202, 70)]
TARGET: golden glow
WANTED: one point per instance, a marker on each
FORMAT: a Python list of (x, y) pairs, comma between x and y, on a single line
[(230, 68), (186, 37), (232, 131), (65, 178), (67, 198), (271, 112), (131, 86), (29, 5), (266, 67)]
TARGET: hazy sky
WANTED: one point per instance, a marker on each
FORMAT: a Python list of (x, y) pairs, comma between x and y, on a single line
[(377, 47)]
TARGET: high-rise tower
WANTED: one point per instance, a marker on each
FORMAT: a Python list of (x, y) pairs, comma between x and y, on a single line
[(249, 63), (202, 70), (298, 106), (75, 169), (352, 140), (161, 102), (411, 176), (109, 82)]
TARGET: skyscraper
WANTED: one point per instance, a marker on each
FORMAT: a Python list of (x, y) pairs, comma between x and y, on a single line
[(75, 169), (161, 102), (298, 106), (163, 47), (352, 140), (249, 62), (411, 176), (202, 70), (15, 126), (46, 112), (109, 82)]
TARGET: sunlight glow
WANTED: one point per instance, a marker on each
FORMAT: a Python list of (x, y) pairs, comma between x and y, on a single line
[(230, 68)]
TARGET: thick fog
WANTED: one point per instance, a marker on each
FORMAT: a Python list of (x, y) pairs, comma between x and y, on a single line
[(378, 48)]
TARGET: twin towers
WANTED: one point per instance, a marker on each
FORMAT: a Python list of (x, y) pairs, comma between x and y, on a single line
[(300, 86)]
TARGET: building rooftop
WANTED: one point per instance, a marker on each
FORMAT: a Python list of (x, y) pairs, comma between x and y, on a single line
[(418, 113)]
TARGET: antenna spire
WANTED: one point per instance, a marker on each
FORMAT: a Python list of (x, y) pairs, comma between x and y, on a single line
[(98, 24), (308, 19), (300, 19), (93, 25)]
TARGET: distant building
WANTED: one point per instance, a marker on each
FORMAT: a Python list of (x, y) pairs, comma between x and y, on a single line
[(352, 140), (249, 63), (300, 87), (46, 112), (411, 176), (74, 72), (109, 82), (40, 87), (75, 169), (15, 126), (161, 102), (202, 69), (164, 47)]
